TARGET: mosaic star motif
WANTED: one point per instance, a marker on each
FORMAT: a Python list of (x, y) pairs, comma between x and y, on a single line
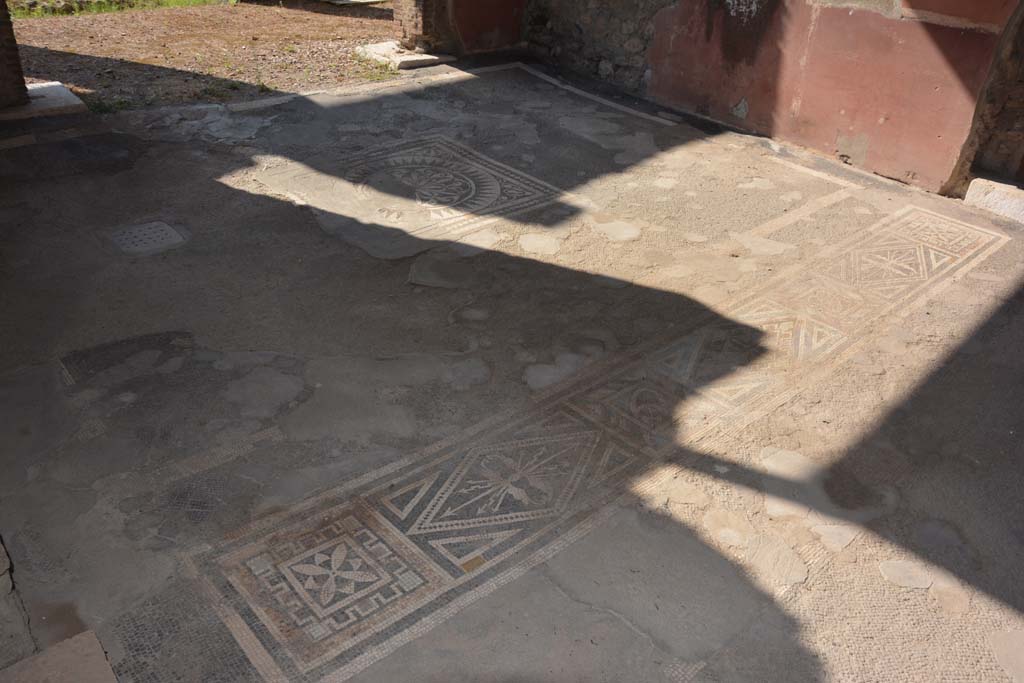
[(885, 265), (509, 482), (526, 478)]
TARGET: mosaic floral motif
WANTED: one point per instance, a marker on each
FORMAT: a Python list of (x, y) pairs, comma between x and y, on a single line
[(436, 187), (327, 575)]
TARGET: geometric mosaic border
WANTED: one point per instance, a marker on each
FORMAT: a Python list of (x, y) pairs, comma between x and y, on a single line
[(429, 187), (327, 588)]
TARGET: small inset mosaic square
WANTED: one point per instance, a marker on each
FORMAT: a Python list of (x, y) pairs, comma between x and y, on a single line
[(319, 586)]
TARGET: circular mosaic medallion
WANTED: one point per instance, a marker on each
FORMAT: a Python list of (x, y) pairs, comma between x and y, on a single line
[(418, 183)]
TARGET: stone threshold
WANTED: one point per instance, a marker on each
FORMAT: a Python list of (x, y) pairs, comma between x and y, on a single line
[(397, 57)]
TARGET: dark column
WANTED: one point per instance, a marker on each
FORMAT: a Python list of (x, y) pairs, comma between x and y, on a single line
[(425, 24), (12, 81)]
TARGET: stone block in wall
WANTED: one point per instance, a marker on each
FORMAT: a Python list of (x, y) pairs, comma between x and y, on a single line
[(610, 40), (1001, 113)]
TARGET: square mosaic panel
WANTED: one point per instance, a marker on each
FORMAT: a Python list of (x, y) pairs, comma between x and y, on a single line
[(147, 238), (319, 587)]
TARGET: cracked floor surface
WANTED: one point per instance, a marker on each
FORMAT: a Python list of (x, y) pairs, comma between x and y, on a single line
[(481, 376)]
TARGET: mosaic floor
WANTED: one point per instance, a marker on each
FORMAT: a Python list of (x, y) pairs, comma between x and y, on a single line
[(430, 188), (342, 580), (485, 377)]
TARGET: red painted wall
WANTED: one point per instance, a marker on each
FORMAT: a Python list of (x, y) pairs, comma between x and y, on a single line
[(485, 25), (894, 96), (891, 94)]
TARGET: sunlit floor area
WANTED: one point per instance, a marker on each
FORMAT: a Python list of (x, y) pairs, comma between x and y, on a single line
[(199, 50), (482, 376)]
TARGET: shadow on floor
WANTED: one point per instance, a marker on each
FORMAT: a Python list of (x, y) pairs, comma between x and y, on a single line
[(406, 202)]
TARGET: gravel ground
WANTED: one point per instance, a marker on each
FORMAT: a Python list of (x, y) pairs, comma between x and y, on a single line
[(139, 58)]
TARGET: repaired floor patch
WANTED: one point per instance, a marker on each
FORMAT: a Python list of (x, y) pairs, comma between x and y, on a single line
[(83, 364)]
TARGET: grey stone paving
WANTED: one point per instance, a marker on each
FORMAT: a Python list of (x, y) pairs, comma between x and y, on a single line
[(80, 658), (479, 377)]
